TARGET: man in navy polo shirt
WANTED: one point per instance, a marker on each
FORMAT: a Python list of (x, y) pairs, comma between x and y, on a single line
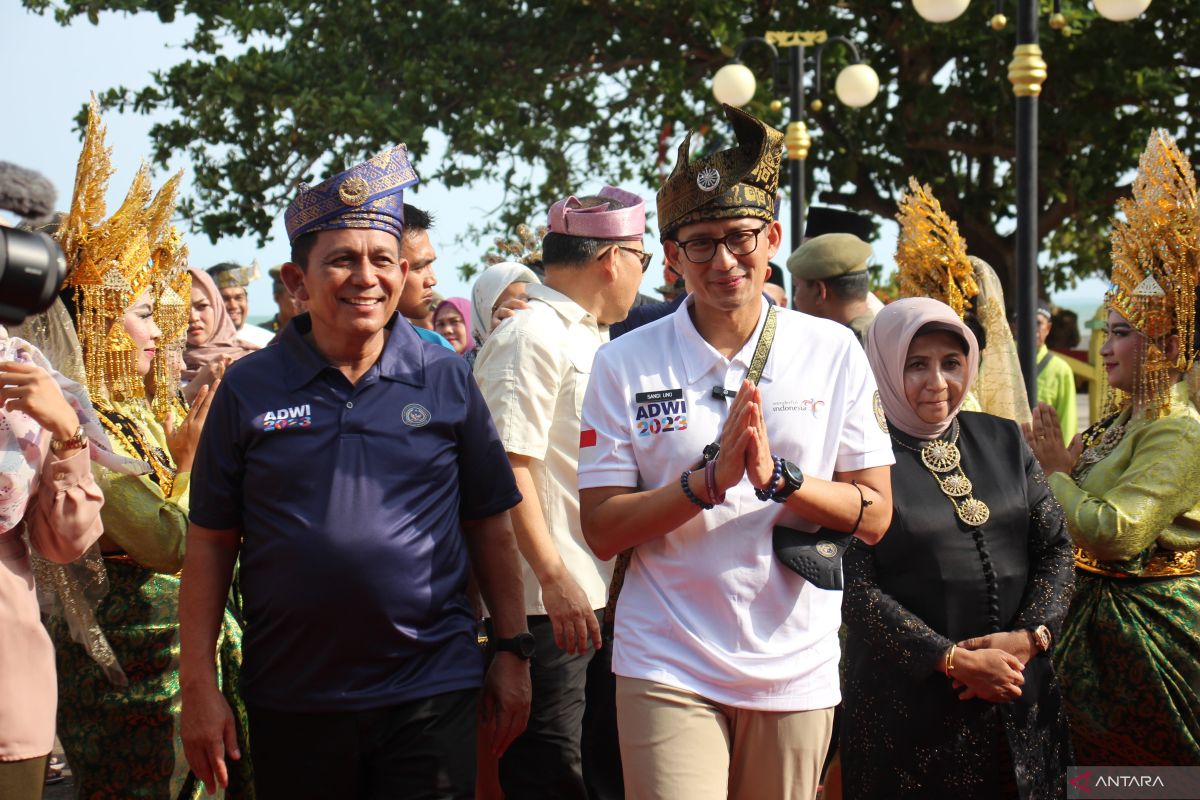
[(357, 472)]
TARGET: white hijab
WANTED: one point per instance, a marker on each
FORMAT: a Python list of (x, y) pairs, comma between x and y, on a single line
[(488, 287)]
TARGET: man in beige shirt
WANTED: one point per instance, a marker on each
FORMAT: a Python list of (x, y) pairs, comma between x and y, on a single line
[(533, 372)]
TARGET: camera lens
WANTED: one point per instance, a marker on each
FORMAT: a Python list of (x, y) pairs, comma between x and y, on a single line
[(31, 268)]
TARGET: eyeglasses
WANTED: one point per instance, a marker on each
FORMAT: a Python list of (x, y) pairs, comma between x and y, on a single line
[(738, 243), (642, 255)]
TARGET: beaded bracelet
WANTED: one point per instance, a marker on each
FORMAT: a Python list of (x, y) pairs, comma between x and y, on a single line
[(776, 474), (687, 490)]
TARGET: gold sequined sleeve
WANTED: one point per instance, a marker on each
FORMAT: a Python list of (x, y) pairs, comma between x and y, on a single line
[(145, 523), (886, 624), (1160, 483)]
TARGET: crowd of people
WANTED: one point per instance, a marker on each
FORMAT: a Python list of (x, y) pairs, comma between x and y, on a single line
[(556, 541)]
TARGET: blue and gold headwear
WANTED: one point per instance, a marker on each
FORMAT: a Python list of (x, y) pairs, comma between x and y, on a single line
[(368, 195)]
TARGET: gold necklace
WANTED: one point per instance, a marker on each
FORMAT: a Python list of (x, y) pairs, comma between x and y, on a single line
[(941, 456), (130, 435), (1098, 441)]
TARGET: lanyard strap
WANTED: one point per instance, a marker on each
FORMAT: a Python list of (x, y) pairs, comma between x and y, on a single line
[(763, 349), (758, 361)]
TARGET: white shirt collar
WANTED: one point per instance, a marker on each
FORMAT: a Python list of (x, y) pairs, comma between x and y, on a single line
[(700, 357), (568, 309)]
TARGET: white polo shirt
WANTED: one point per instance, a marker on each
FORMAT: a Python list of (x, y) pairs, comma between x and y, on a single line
[(533, 372), (254, 335), (708, 608)]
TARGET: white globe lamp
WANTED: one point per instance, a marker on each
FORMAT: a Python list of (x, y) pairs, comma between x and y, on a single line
[(857, 85), (734, 84), (1121, 10), (941, 10)]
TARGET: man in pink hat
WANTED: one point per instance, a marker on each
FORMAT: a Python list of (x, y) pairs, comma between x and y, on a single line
[(533, 372)]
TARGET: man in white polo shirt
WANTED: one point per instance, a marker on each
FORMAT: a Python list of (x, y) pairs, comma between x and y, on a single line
[(726, 660), (533, 372)]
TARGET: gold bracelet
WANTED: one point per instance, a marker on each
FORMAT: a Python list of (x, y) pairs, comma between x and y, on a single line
[(950, 659)]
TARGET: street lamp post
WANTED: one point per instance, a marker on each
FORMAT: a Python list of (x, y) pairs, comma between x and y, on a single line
[(857, 85), (1026, 73)]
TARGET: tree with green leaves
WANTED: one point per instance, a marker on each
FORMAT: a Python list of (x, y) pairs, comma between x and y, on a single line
[(544, 95)]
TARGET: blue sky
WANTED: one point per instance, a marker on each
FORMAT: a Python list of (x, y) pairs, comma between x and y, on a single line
[(50, 70)]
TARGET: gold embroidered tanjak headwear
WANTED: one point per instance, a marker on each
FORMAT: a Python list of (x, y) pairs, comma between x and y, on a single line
[(930, 254), (115, 260), (742, 181), (234, 276), (1155, 260)]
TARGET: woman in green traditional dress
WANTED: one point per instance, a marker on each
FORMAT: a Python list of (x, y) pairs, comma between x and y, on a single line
[(127, 294), (1129, 659)]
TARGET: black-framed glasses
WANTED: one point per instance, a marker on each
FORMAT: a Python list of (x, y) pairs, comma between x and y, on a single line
[(642, 255), (738, 243)]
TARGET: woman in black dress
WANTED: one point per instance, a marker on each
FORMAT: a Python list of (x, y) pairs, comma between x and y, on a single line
[(949, 687)]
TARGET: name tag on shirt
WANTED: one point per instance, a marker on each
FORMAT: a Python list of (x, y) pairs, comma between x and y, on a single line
[(661, 411)]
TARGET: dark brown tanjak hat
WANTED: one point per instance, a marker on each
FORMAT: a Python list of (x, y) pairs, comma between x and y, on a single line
[(739, 182)]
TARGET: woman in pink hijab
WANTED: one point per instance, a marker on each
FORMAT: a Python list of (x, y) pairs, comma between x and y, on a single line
[(452, 319), (212, 339)]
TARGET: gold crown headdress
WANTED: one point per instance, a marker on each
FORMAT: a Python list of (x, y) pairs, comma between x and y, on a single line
[(114, 261), (930, 254), (1154, 264)]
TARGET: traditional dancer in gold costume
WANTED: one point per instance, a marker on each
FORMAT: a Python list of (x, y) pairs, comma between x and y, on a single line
[(1129, 658), (128, 292)]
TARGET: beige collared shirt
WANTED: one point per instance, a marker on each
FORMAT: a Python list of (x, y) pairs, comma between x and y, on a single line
[(533, 373)]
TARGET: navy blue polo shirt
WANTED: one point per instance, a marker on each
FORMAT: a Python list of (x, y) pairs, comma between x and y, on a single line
[(349, 497)]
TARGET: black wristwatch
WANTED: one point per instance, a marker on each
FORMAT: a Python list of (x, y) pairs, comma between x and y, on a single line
[(522, 645), (793, 479)]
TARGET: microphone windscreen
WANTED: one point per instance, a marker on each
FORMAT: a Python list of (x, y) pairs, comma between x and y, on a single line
[(25, 192)]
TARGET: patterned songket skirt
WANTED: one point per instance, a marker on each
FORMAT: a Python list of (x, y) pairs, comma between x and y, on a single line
[(1129, 665), (123, 741)]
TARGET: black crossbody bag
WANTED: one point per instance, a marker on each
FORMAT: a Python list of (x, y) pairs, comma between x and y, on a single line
[(816, 556)]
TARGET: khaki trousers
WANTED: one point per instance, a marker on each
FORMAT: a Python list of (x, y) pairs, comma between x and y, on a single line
[(23, 780), (675, 744)]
